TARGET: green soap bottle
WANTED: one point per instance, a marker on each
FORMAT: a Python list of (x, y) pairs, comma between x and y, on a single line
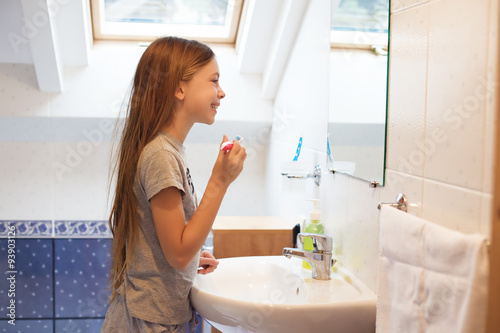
[(314, 227)]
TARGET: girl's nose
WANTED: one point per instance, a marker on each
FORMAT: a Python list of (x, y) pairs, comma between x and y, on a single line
[(221, 94)]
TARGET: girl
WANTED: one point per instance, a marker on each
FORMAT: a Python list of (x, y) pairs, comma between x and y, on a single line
[(158, 229)]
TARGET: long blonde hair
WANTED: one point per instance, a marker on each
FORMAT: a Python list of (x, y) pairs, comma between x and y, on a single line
[(164, 64)]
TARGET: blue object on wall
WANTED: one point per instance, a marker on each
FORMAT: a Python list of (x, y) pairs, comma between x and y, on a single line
[(297, 152)]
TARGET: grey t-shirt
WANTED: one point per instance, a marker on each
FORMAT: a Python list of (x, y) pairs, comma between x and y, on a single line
[(153, 290)]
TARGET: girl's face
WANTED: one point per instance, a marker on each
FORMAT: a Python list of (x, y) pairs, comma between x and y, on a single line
[(202, 94)]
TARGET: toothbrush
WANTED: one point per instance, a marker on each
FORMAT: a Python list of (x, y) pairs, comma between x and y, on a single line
[(297, 153), (228, 145)]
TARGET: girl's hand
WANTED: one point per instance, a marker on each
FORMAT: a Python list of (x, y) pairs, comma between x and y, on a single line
[(208, 263), (229, 164)]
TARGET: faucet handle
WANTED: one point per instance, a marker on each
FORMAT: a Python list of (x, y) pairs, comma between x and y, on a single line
[(321, 243)]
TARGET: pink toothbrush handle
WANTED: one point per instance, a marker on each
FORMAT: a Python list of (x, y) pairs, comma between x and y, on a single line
[(227, 146)]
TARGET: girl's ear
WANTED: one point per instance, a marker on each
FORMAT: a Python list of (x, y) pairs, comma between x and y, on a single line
[(180, 91)]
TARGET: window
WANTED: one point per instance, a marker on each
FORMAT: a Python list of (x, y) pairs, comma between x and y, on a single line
[(360, 22), (204, 20)]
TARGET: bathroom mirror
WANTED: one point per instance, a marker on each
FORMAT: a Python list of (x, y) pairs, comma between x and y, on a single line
[(358, 88)]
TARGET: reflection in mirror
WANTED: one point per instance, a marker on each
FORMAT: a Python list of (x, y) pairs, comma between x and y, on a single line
[(358, 88)]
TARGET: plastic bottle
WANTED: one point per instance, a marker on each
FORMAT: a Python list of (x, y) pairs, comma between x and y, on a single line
[(314, 227)]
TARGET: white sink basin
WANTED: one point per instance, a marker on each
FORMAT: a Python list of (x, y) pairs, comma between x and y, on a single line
[(275, 294)]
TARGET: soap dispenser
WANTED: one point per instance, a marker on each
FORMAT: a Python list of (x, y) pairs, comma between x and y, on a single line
[(314, 226)]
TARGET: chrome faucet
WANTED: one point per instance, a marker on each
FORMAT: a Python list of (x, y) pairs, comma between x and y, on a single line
[(320, 258)]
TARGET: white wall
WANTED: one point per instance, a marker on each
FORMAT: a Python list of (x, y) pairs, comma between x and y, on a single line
[(300, 110), (357, 112), (56, 147), (358, 80), (441, 123)]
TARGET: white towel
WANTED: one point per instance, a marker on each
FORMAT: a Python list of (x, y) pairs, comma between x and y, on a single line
[(430, 278)]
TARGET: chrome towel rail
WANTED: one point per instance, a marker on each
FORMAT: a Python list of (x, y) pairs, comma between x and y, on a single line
[(401, 203)]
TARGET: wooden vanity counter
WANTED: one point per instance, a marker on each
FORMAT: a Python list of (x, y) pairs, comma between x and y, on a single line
[(240, 236)]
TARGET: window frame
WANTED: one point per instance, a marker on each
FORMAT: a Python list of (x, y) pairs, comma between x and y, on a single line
[(150, 31), (357, 39)]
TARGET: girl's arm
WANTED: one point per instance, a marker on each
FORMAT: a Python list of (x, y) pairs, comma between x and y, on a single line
[(180, 242)]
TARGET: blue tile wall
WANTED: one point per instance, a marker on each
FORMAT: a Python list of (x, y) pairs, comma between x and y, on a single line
[(33, 229), (93, 229), (81, 275), (79, 325), (33, 280), (60, 283), (28, 326)]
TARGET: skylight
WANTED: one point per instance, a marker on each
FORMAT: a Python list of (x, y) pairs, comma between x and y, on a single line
[(360, 22), (205, 20), (361, 15)]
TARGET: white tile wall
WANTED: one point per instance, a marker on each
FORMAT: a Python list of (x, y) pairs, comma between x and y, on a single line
[(335, 199), (412, 186), (362, 231), (457, 76), (26, 177), (81, 180), (407, 76), (441, 124), (486, 214), (451, 206), (399, 5)]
